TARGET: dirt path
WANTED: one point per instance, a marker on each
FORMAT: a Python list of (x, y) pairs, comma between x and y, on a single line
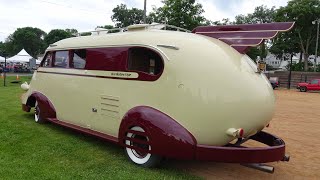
[(297, 121)]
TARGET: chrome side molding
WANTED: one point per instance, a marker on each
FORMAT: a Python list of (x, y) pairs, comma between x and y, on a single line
[(168, 46)]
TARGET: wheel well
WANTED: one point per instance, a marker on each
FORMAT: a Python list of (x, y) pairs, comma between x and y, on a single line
[(31, 101), (162, 130)]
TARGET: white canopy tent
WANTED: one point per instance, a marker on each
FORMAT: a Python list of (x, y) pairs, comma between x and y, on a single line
[(38, 62), (21, 57), (1, 59)]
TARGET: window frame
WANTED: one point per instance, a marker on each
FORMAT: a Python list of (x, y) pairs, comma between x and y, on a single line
[(71, 60), (143, 76), (45, 57), (54, 60)]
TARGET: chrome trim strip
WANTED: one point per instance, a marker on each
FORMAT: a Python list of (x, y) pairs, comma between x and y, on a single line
[(168, 46)]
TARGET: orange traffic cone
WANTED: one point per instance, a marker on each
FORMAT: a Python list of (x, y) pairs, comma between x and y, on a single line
[(17, 78)]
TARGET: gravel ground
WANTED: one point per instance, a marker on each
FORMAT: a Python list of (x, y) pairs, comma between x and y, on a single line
[(297, 122)]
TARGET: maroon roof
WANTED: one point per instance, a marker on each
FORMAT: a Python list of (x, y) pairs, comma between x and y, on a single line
[(243, 37)]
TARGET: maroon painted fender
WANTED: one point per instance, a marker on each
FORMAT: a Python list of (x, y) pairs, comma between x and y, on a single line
[(166, 136), (47, 108)]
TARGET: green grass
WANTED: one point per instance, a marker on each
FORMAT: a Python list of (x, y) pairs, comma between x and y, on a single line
[(32, 151)]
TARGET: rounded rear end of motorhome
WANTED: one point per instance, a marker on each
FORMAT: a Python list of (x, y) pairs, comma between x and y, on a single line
[(216, 92)]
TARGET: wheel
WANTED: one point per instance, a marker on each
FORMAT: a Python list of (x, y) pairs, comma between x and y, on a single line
[(140, 157), (37, 117), (303, 89)]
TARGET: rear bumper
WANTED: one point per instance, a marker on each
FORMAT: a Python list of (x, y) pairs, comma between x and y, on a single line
[(275, 151)]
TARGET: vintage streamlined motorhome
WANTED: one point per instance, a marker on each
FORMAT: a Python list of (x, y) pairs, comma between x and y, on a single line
[(162, 93)]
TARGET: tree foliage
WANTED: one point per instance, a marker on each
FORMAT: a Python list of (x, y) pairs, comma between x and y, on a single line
[(2, 48), (224, 21), (261, 14), (182, 13), (123, 17), (33, 40), (106, 27), (303, 12), (285, 43), (57, 35), (29, 38), (72, 31)]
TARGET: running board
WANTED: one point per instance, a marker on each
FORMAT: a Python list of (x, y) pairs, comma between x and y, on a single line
[(84, 130)]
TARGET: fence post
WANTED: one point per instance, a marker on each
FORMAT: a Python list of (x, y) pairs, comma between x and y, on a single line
[(289, 78), (305, 78)]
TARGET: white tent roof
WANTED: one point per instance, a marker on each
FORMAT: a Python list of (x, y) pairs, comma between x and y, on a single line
[(21, 57), (1, 59)]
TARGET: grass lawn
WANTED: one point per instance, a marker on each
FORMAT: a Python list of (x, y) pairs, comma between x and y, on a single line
[(32, 151)]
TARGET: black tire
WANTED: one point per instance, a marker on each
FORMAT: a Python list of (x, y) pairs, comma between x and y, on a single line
[(140, 158), (303, 89), (37, 117)]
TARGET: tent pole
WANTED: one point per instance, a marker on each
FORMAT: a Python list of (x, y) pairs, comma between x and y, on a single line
[(5, 70)]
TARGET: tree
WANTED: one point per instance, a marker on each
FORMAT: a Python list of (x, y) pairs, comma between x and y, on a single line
[(29, 38), (72, 31), (224, 21), (261, 14), (253, 53), (106, 27), (114, 30), (285, 43), (2, 48), (57, 35), (182, 13), (123, 17), (303, 12)]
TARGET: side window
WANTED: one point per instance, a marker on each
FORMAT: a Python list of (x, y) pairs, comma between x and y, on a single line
[(79, 58), (61, 59), (46, 60), (315, 81), (145, 60), (106, 59)]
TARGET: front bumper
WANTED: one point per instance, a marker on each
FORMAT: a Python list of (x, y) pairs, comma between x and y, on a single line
[(275, 151)]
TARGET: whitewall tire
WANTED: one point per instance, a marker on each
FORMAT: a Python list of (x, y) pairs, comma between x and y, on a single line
[(144, 159), (37, 117)]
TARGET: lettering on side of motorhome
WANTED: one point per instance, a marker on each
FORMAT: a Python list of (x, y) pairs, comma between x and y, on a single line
[(119, 74)]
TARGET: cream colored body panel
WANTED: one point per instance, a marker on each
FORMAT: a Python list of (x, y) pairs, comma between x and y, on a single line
[(206, 86)]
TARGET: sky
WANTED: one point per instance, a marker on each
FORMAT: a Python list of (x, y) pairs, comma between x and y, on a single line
[(85, 15)]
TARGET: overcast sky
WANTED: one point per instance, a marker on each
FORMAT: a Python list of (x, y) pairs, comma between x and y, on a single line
[(85, 15)]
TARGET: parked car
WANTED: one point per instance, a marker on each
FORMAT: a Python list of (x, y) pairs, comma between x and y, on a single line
[(313, 85), (155, 93), (274, 81)]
